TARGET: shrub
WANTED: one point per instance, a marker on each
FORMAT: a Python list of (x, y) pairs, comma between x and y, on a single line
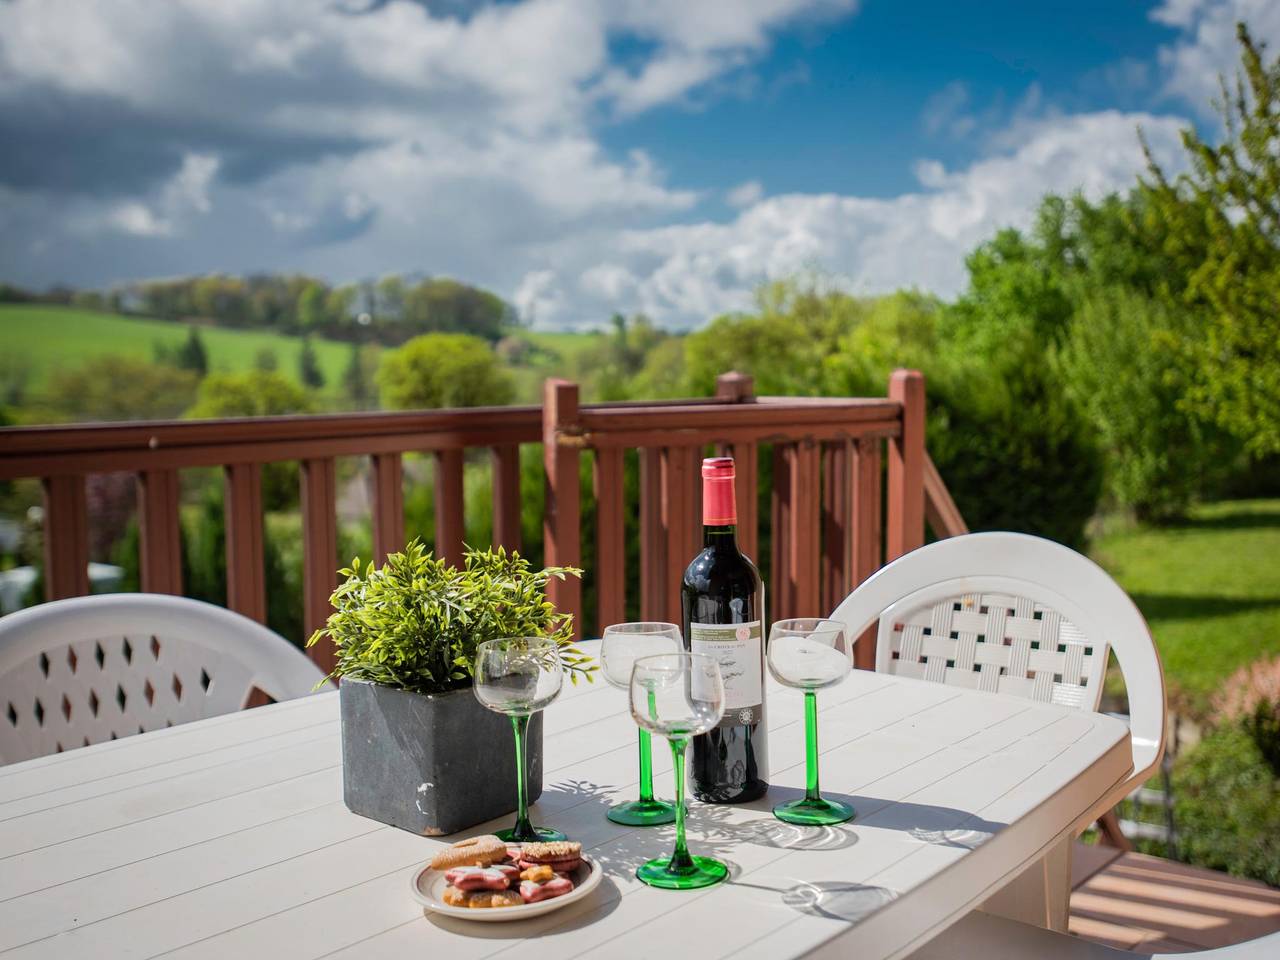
[(1227, 805), (120, 388), (443, 370)]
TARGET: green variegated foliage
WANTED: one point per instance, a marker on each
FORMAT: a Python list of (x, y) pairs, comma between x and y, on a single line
[(415, 622)]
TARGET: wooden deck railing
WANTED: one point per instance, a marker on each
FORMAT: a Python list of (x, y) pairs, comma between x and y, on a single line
[(827, 504)]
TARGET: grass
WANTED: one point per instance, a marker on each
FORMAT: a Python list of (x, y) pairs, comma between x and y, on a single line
[(51, 337), (1209, 588)]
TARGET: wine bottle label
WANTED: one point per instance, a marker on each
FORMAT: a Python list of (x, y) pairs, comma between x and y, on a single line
[(737, 647)]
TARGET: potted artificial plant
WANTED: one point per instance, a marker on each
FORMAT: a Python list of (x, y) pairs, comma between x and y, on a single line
[(419, 751)]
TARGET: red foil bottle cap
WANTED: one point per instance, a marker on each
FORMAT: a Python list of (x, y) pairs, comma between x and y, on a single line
[(719, 505)]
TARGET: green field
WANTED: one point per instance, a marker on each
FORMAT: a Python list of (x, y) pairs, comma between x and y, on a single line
[(1209, 588), (48, 338)]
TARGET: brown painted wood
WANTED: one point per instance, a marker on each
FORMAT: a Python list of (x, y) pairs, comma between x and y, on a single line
[(837, 527), (746, 457), (682, 520), (450, 512), (735, 387), (786, 413), (506, 496), (320, 553), (561, 523), (653, 537), (66, 538), (611, 554), (905, 523), (781, 589), (387, 479), (731, 431), (159, 535), (940, 510), (804, 537), (246, 581), (865, 550)]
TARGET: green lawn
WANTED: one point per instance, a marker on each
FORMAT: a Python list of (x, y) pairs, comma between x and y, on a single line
[(51, 337), (1209, 588)]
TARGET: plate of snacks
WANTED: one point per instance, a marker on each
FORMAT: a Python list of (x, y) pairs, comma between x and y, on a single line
[(482, 878)]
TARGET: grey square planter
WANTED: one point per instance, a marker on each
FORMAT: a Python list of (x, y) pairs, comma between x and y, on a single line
[(430, 764)]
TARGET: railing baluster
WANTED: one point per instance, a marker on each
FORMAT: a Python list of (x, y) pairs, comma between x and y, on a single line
[(506, 496), (781, 594), (611, 552), (159, 535), (653, 537), (906, 466), (246, 581), (837, 533), (449, 505), (681, 519), (866, 532), (803, 537), (740, 388), (319, 552), (66, 537), (388, 505), (562, 526)]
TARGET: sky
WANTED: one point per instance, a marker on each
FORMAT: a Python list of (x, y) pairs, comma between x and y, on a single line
[(579, 157)]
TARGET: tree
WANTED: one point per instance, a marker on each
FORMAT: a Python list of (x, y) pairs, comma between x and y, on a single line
[(443, 370), (356, 377), (312, 306), (309, 371), (266, 359), (258, 393), (112, 387), (192, 355), (1223, 218)]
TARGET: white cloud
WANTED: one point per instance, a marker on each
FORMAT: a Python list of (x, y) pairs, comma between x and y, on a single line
[(1207, 48), (683, 274), (745, 194)]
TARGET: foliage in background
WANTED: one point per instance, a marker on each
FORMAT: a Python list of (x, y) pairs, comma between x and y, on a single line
[(1223, 219), (309, 371), (119, 388), (415, 622), (443, 370)]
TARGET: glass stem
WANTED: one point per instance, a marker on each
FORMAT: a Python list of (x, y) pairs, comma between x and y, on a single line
[(523, 828), (646, 767), (680, 861), (811, 745)]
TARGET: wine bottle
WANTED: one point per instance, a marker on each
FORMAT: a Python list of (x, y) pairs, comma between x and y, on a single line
[(723, 605)]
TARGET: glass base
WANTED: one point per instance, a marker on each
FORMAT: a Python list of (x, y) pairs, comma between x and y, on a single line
[(543, 834), (813, 813), (704, 872), (643, 813)]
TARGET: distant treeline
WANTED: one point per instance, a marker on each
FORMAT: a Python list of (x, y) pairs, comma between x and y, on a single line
[(388, 311)]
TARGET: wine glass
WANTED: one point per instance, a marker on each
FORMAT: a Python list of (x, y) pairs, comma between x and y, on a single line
[(678, 695), (623, 644), (810, 654), (519, 676)]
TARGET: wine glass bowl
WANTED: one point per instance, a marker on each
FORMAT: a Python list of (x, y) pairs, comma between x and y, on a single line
[(810, 654), (622, 645), (678, 695), (518, 676)]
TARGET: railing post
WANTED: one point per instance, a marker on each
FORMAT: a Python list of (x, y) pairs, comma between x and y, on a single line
[(246, 580), (906, 466), (388, 505), (506, 496), (319, 553), (159, 536), (736, 387), (66, 537), (449, 505), (562, 522)]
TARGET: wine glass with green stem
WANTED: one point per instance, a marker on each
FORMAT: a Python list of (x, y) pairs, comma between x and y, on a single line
[(810, 654), (678, 695), (623, 644), (519, 676)]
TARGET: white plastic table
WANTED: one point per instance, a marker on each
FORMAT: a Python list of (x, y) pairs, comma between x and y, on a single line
[(229, 838)]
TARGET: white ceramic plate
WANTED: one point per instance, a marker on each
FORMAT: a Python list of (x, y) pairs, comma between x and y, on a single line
[(427, 887)]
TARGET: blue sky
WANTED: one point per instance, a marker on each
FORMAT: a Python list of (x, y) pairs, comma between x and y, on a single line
[(578, 156)]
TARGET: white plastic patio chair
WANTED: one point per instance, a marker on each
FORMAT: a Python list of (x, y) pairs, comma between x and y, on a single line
[(91, 669), (1023, 616), (996, 938)]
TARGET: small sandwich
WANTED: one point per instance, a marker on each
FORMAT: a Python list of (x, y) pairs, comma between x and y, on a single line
[(547, 869)]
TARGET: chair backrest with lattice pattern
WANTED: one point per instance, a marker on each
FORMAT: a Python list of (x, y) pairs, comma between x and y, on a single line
[(1014, 614), (92, 669)]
